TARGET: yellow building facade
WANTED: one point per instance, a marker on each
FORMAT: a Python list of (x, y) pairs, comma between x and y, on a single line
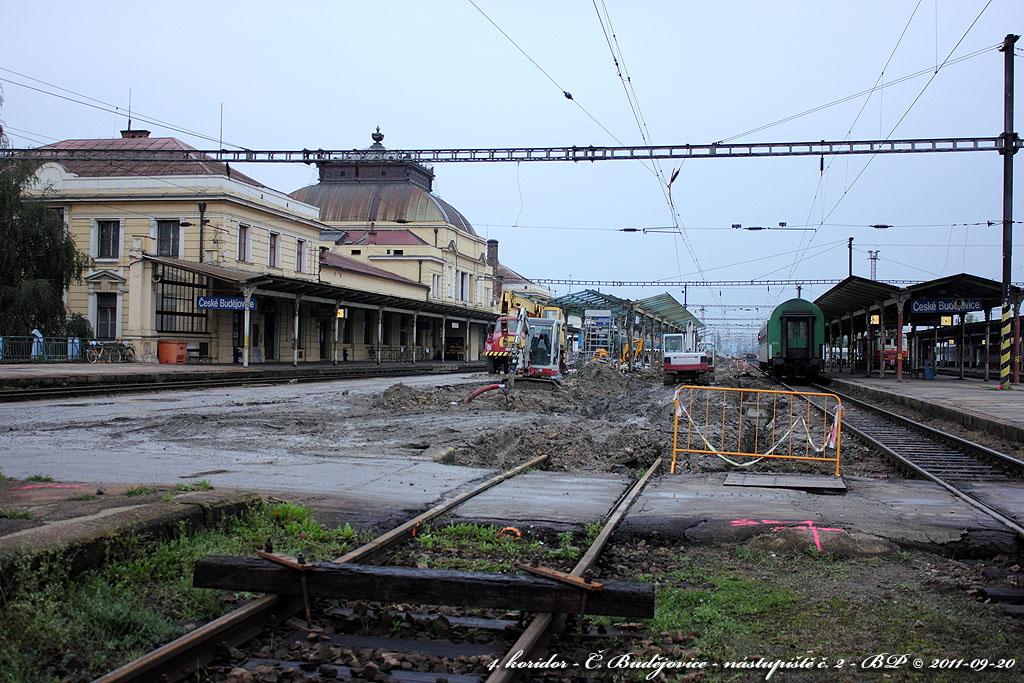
[(193, 253)]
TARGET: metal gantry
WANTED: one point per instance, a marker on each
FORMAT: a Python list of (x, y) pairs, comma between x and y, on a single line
[(572, 153)]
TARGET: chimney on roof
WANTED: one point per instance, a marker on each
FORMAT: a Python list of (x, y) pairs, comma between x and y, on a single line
[(134, 133), (492, 253)]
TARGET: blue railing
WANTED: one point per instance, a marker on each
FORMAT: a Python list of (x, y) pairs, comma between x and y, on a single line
[(41, 350)]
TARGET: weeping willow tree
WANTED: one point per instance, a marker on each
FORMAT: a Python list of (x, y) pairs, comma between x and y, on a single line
[(38, 258)]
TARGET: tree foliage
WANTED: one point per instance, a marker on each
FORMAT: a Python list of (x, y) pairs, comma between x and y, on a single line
[(38, 258)]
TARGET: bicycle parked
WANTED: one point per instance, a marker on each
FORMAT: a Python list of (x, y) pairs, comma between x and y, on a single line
[(110, 352)]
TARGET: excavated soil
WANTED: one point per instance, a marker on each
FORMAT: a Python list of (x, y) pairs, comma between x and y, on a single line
[(599, 419)]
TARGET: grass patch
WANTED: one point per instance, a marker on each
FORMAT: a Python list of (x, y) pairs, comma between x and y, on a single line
[(140, 491), (744, 602), (7, 513), (39, 477), (201, 485), (54, 626), (488, 548), (84, 496)]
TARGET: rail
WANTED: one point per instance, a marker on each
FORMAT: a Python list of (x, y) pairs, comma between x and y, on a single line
[(762, 436), (544, 624), (181, 658), (915, 457)]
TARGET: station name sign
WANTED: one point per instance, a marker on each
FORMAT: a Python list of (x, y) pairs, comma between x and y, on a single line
[(945, 305), (231, 303)]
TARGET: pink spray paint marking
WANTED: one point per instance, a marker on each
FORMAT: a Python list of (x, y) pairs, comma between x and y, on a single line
[(806, 525)]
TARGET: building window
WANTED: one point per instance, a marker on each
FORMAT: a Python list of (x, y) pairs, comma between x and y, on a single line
[(106, 316), (435, 285), (449, 281), (243, 242), (300, 255), (176, 295), (357, 252), (167, 233), (274, 249), (109, 245)]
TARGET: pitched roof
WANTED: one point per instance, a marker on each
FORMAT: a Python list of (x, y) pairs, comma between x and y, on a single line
[(509, 276), (332, 260), (190, 164), (383, 237)]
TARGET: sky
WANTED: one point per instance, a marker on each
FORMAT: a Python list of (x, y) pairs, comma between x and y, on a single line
[(480, 74)]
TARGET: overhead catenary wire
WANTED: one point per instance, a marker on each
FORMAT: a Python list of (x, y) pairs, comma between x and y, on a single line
[(849, 132), (872, 157), (110, 108)]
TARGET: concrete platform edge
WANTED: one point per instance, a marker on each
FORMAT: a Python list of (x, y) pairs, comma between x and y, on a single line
[(82, 543), (966, 419)]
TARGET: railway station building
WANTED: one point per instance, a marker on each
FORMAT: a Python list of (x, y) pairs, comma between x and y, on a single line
[(380, 211), (952, 328), (195, 260)]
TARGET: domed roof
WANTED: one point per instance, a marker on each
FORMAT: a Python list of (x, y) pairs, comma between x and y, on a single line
[(380, 189)]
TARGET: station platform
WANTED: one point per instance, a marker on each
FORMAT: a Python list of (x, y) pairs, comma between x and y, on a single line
[(974, 403), (873, 516), (14, 376)]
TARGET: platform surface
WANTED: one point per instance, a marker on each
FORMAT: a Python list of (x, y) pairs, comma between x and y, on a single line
[(980, 402)]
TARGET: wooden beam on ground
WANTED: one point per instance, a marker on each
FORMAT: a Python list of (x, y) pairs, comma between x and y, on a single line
[(425, 586)]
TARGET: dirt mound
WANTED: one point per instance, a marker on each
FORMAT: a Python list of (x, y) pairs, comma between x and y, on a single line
[(571, 448), (401, 397)]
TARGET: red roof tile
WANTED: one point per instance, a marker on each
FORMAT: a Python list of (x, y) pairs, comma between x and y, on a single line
[(384, 237), (329, 258), (99, 169)]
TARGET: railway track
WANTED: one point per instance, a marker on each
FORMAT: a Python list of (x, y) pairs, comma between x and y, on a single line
[(945, 459), (171, 383), (326, 645)]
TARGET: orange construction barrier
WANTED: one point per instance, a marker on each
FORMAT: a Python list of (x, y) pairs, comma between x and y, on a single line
[(773, 434)]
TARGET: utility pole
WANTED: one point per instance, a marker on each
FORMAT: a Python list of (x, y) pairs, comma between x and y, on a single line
[(202, 227), (1008, 150), (849, 247), (873, 257)]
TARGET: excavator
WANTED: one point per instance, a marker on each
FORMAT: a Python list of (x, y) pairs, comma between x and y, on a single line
[(525, 349)]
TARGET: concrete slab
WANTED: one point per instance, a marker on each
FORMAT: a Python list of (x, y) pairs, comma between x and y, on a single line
[(804, 482), (556, 500), (81, 529), (906, 512)]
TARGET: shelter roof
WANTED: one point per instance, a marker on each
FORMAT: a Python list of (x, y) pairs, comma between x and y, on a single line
[(118, 168), (289, 285), (577, 302), (961, 286), (854, 294), (665, 306)]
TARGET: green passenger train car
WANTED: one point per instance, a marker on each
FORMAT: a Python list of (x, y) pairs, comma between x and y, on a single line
[(790, 342)]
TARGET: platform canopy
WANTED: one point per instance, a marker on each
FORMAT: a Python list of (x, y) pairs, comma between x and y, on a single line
[(665, 306), (662, 308), (966, 293), (853, 295)]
